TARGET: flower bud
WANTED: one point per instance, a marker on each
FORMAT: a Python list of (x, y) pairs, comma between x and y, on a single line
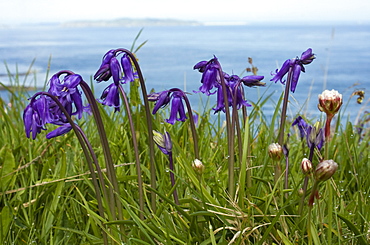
[(306, 166), (198, 166), (325, 170), (330, 102), (275, 151)]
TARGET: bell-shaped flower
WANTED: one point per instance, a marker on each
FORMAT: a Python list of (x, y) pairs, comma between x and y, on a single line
[(110, 96), (210, 75), (33, 116), (162, 99), (279, 75), (302, 126), (104, 73), (252, 81), (128, 70), (295, 66), (177, 112), (61, 130)]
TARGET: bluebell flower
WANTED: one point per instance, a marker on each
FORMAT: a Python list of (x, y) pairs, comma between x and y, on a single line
[(61, 130), (67, 92), (128, 70), (253, 80), (234, 89), (313, 134), (162, 99), (302, 126), (104, 73), (210, 76), (177, 112), (42, 109), (110, 96), (296, 67), (34, 117)]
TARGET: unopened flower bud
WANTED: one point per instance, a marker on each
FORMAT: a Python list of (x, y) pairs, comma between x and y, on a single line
[(306, 166), (330, 102), (275, 151), (198, 166), (325, 170)]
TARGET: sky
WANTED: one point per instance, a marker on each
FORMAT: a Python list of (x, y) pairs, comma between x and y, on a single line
[(35, 11)]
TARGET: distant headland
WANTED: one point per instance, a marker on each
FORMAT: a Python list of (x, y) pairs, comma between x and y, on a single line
[(127, 22)]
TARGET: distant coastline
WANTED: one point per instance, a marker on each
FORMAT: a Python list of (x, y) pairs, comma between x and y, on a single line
[(127, 22)]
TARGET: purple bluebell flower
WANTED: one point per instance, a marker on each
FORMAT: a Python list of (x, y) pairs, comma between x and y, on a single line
[(233, 90), (33, 117), (279, 75), (43, 107), (210, 76), (110, 96), (177, 108), (302, 126), (116, 70), (313, 134), (162, 99), (128, 70), (61, 130), (104, 72), (296, 67), (67, 92), (253, 80)]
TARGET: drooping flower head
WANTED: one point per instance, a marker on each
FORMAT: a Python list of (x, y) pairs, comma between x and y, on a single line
[(173, 96), (210, 75), (50, 107), (294, 67), (121, 72), (235, 93)]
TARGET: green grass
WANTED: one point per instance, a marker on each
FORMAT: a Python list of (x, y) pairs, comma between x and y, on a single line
[(47, 196)]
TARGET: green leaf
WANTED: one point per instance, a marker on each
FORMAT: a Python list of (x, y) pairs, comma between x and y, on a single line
[(7, 163), (353, 228)]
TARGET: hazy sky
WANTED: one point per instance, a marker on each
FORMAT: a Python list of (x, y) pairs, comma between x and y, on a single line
[(26, 11)]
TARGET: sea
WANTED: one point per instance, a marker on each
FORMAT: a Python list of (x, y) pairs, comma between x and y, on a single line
[(167, 58)]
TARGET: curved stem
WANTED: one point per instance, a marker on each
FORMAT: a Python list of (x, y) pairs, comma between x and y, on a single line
[(192, 123), (86, 148), (106, 149), (230, 136), (149, 125), (136, 149)]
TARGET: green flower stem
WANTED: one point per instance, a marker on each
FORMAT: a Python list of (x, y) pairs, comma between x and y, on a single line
[(328, 184), (136, 149), (150, 127), (230, 136), (115, 202), (90, 157)]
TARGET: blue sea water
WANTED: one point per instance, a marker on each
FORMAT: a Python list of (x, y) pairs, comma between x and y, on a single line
[(167, 59)]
